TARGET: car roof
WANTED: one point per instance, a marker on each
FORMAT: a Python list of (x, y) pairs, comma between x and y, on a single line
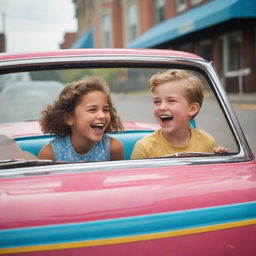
[(94, 52)]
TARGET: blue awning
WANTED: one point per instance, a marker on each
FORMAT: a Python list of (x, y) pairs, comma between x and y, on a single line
[(84, 41), (212, 13)]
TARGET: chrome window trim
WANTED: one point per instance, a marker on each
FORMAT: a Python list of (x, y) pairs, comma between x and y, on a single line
[(63, 60), (71, 168), (229, 113)]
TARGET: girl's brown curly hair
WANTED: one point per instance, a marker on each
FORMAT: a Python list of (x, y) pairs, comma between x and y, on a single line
[(52, 119)]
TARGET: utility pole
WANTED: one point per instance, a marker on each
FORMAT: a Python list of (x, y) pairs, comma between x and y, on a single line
[(2, 35), (3, 22)]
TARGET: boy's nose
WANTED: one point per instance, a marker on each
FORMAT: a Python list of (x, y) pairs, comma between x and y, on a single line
[(162, 105)]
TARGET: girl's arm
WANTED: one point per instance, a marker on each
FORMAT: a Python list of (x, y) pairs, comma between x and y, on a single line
[(116, 150), (46, 152)]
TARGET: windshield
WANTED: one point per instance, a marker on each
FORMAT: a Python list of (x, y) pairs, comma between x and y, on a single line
[(23, 97)]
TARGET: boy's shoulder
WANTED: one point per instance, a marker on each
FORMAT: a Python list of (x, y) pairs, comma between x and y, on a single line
[(151, 138), (201, 134)]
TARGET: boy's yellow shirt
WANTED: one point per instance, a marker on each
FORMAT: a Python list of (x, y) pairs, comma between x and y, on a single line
[(156, 145)]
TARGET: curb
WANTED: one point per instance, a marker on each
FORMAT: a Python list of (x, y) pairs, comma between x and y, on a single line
[(245, 98)]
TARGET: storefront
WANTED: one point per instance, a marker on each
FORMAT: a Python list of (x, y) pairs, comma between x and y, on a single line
[(85, 40), (220, 31)]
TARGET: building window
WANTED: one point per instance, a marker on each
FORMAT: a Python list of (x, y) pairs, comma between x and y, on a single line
[(186, 47), (255, 43), (131, 21), (230, 53), (106, 31), (195, 2), (234, 54), (231, 49), (159, 10), (181, 5), (205, 50)]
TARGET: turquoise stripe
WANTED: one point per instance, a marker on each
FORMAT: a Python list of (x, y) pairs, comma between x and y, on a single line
[(130, 226)]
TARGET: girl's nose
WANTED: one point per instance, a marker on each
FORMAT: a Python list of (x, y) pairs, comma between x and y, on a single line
[(101, 114)]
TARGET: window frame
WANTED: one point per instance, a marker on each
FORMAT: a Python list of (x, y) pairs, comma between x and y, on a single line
[(159, 11), (181, 5), (195, 2), (131, 26), (106, 42)]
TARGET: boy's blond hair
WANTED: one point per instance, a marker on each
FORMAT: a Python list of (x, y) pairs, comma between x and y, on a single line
[(192, 84)]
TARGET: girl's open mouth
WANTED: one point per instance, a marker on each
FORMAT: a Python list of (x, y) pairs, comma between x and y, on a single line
[(99, 126)]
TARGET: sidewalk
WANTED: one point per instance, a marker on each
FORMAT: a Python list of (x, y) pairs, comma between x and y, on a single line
[(245, 108), (245, 98)]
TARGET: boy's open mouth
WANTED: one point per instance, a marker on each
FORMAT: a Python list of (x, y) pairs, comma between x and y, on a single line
[(165, 118)]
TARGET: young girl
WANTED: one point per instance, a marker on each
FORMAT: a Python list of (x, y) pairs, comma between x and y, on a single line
[(80, 117)]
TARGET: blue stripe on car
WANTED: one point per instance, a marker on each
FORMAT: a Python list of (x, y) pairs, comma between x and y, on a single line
[(125, 227)]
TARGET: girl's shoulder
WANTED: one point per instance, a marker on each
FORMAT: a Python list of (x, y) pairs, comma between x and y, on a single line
[(46, 152), (60, 139), (116, 149)]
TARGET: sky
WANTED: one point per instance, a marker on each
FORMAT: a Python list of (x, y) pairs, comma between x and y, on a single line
[(36, 25)]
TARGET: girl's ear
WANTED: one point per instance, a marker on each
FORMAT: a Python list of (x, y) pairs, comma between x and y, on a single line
[(194, 109), (68, 119)]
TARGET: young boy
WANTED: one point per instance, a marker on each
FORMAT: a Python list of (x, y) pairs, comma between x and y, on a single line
[(177, 98)]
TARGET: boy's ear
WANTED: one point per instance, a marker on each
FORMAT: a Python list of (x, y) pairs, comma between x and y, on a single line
[(194, 109), (68, 119)]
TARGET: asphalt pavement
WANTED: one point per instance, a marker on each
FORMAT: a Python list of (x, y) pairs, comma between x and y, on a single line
[(245, 109)]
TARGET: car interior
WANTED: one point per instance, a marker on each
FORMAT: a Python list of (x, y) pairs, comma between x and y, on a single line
[(130, 92)]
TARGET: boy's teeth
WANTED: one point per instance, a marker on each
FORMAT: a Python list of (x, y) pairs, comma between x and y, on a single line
[(166, 118)]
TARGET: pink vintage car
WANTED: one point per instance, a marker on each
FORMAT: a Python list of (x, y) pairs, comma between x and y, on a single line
[(183, 204)]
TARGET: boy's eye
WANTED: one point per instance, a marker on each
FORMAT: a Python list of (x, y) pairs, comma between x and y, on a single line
[(156, 102), (171, 100)]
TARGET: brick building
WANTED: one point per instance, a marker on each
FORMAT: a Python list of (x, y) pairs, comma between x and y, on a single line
[(222, 31), (69, 39)]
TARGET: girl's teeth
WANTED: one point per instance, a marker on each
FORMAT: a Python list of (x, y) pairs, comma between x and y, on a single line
[(98, 125)]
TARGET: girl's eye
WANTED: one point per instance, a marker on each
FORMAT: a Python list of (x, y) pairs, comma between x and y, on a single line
[(91, 110), (106, 109)]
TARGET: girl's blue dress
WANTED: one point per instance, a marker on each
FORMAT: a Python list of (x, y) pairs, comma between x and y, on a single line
[(64, 151)]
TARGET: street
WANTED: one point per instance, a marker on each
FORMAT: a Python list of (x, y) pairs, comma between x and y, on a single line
[(247, 118), (138, 107)]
